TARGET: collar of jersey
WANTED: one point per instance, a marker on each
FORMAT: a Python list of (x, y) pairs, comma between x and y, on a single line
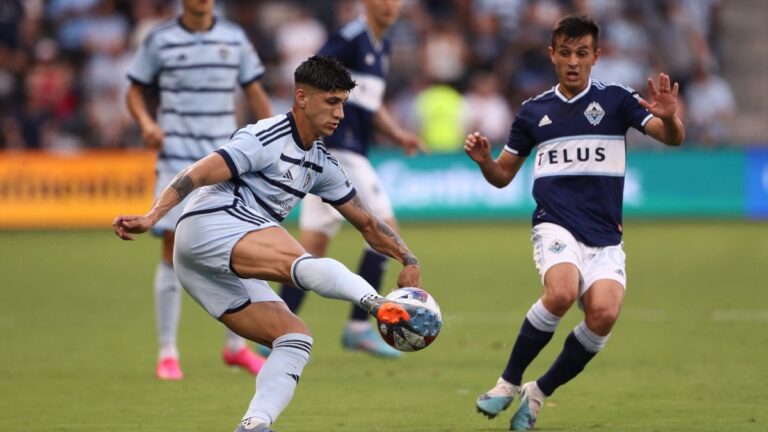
[(575, 98), (295, 132), (189, 30)]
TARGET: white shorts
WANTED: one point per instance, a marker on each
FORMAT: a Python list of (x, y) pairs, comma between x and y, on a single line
[(201, 259), (319, 216), (553, 244), (167, 222)]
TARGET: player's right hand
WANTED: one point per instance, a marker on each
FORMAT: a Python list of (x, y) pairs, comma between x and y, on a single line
[(152, 134), (124, 226), (478, 147)]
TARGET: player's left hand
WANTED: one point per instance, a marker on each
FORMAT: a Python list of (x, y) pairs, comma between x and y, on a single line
[(410, 276), (411, 143), (663, 99), (124, 226)]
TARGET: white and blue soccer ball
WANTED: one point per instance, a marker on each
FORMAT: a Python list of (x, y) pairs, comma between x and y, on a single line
[(404, 339)]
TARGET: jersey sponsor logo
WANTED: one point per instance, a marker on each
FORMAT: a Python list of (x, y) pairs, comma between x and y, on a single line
[(545, 121), (594, 113), (602, 155), (285, 205), (557, 246), (369, 92)]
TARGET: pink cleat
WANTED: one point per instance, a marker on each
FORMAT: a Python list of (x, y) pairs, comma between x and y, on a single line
[(168, 368), (244, 358)]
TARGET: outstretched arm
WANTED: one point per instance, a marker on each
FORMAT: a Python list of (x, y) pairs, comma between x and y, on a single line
[(499, 172), (385, 124), (210, 170), (665, 126), (383, 239)]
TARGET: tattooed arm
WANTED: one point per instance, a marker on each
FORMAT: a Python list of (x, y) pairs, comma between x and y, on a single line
[(207, 171), (382, 238)]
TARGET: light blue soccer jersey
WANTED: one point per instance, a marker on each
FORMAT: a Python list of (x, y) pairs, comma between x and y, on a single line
[(367, 60), (271, 173), (197, 74), (580, 159)]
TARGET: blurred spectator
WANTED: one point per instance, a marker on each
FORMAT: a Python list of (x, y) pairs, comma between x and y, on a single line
[(298, 38), (486, 110), (440, 109), (710, 107)]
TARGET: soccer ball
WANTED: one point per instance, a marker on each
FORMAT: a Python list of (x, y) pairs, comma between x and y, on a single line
[(402, 338)]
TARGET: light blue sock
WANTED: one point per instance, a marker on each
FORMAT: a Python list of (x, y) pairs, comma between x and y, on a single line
[(279, 377), (167, 307)]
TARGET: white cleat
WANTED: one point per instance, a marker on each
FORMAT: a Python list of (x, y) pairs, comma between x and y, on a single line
[(531, 400), (497, 399)]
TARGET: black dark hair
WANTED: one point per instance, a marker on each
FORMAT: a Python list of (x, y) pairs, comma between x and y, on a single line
[(324, 73), (575, 26)]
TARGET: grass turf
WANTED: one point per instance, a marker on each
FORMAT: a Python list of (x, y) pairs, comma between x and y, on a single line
[(688, 354)]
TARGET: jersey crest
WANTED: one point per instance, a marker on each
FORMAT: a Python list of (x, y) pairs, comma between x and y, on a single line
[(594, 113)]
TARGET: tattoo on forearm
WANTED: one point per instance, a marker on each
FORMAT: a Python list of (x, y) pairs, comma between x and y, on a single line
[(183, 185), (408, 258)]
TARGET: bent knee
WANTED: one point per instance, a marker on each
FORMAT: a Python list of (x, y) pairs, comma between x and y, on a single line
[(602, 318)]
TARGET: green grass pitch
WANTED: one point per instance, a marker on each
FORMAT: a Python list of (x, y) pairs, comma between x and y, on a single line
[(689, 353)]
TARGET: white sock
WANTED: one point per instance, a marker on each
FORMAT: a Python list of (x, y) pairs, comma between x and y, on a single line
[(278, 378), (167, 306), (591, 341), (234, 342), (330, 279)]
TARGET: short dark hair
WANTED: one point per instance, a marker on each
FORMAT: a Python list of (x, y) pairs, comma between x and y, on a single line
[(324, 73), (575, 26)]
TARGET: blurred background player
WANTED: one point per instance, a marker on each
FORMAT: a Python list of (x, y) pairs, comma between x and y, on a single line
[(196, 61), (579, 129), (363, 48), (230, 241)]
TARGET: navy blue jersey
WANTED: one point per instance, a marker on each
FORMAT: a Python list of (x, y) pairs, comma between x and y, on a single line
[(356, 48), (580, 159)]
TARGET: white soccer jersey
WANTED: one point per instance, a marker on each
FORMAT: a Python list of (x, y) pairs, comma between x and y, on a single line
[(196, 73), (271, 173)]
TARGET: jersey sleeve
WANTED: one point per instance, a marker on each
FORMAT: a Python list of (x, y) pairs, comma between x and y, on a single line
[(339, 48), (244, 153), (146, 62), (251, 67), (520, 141), (635, 114), (333, 186)]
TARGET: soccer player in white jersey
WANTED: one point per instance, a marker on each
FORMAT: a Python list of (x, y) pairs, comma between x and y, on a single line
[(362, 47), (578, 129), (229, 241), (196, 61)]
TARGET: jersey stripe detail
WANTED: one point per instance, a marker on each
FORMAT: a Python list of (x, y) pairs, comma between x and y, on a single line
[(582, 138), (271, 134), (267, 131), (305, 164), (342, 200), (271, 140), (283, 187), (205, 42), (197, 89), (204, 211), (196, 137), (200, 66), (230, 163), (195, 113)]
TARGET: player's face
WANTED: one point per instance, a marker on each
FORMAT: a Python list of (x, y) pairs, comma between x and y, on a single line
[(573, 60), (325, 110), (199, 7), (383, 12)]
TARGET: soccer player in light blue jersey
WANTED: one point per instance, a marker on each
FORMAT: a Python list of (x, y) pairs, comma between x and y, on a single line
[(196, 61), (363, 48), (578, 132), (229, 241)]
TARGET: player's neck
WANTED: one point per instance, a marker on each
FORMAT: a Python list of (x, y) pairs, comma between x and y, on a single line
[(306, 134), (197, 22), (376, 30)]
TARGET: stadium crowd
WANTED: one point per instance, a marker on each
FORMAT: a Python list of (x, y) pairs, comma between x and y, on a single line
[(456, 65)]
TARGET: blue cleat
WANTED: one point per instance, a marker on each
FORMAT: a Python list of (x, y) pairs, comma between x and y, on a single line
[(370, 342), (531, 401), (497, 399)]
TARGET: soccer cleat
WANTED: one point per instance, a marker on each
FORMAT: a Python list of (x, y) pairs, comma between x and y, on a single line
[(244, 358), (418, 319), (168, 368), (250, 425), (368, 341), (497, 399), (531, 400)]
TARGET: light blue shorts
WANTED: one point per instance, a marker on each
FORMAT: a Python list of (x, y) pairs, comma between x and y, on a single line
[(202, 254)]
